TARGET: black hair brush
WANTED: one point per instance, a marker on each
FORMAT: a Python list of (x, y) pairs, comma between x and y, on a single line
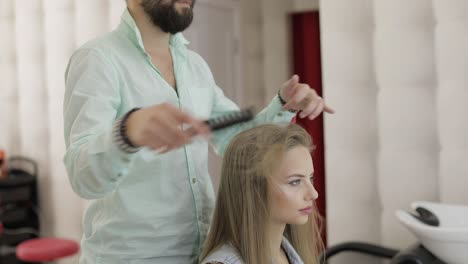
[(229, 119)]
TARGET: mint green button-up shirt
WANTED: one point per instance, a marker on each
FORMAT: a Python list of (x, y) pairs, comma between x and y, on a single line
[(146, 207)]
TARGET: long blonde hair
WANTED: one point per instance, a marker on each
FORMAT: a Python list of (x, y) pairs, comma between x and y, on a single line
[(242, 203)]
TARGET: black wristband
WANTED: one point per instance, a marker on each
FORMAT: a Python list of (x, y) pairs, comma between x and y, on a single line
[(123, 128), (120, 133), (282, 101)]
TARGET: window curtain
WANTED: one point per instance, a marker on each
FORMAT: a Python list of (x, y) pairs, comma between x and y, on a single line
[(37, 37)]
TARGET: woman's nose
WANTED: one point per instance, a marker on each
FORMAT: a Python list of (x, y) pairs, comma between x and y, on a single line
[(315, 193), (312, 193)]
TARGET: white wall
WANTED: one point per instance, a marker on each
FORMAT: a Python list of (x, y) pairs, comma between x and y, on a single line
[(278, 39), (251, 46), (305, 5), (396, 73)]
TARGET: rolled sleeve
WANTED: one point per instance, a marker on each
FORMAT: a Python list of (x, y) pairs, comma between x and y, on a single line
[(93, 161)]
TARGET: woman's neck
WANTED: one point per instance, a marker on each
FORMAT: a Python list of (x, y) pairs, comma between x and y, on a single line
[(276, 232)]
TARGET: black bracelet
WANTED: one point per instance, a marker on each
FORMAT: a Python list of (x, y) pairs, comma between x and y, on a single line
[(120, 133), (282, 101), (123, 128)]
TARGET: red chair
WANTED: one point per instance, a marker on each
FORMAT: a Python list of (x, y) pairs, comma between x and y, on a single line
[(44, 249)]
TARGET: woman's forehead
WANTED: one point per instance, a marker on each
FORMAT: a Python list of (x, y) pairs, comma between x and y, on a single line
[(295, 161)]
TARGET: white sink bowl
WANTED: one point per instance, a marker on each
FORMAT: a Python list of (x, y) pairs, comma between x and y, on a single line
[(448, 241)]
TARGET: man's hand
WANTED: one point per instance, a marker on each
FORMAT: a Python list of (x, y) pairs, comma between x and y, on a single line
[(300, 97), (159, 127)]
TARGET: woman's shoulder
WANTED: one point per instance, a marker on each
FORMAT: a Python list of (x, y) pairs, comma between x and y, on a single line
[(225, 254)]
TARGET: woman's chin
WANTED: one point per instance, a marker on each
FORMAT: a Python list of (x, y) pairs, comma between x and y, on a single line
[(300, 220)]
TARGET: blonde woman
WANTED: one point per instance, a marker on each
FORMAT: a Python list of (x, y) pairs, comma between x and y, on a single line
[(265, 211)]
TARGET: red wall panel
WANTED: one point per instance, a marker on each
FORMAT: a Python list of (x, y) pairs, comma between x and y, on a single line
[(307, 64)]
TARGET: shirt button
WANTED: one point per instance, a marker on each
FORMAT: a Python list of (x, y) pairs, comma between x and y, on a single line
[(280, 114), (194, 180)]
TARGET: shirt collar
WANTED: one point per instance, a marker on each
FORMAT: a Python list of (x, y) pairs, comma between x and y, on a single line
[(291, 252), (128, 25)]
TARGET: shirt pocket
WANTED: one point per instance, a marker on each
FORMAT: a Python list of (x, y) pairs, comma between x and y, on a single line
[(197, 99)]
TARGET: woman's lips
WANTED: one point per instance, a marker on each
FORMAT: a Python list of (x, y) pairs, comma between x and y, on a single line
[(307, 210)]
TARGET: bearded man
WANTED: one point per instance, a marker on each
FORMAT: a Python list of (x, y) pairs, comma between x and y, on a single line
[(130, 95)]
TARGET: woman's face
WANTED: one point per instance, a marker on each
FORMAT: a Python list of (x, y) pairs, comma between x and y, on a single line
[(291, 189)]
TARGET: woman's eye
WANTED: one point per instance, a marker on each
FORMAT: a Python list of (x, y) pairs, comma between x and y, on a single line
[(295, 182)]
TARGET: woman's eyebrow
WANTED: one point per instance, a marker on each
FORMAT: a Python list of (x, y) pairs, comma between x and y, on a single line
[(300, 175)]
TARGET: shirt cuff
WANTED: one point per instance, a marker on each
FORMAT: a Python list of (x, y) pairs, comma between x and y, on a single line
[(281, 115), (113, 160)]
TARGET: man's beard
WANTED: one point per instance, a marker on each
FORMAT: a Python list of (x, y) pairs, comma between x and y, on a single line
[(166, 17)]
